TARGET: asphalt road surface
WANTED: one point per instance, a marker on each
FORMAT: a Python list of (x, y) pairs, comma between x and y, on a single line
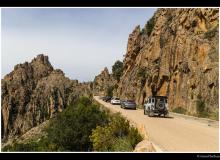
[(175, 133)]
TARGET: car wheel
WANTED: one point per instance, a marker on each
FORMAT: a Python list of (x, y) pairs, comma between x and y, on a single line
[(150, 114), (166, 115)]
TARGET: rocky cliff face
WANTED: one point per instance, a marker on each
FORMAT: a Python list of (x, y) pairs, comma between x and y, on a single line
[(174, 55), (34, 92), (102, 82)]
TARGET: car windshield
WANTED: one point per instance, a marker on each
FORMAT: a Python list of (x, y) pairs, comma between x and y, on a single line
[(130, 101), (116, 98)]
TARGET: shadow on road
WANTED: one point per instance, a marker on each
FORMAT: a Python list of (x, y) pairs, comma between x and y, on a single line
[(129, 108), (156, 116)]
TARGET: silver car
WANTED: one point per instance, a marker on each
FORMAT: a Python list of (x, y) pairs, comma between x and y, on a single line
[(115, 100), (128, 104)]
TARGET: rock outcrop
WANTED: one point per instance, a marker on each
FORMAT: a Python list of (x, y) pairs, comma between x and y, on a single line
[(102, 82), (34, 92), (33, 135), (145, 146), (174, 55)]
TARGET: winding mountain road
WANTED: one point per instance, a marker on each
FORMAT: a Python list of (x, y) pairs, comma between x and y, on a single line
[(173, 134)]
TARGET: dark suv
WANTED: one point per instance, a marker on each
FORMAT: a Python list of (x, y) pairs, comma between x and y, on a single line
[(107, 99), (156, 105)]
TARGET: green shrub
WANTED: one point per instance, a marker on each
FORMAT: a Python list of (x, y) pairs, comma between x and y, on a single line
[(85, 101), (102, 138), (118, 135), (169, 18), (122, 144), (140, 106), (211, 33), (117, 70), (119, 125), (134, 136), (142, 74), (109, 91), (150, 26), (180, 110), (200, 107), (32, 146), (20, 147), (70, 130), (84, 127), (214, 116)]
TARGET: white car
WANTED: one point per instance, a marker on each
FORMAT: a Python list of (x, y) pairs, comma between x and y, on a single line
[(115, 101)]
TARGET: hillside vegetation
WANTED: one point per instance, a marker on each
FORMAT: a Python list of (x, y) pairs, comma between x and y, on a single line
[(84, 126)]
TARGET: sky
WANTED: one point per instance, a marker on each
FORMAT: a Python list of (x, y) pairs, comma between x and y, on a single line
[(79, 41)]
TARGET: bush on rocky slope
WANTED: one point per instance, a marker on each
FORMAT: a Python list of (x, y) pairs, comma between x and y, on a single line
[(180, 110), (150, 26), (117, 70), (202, 111), (118, 135), (70, 130), (84, 126), (211, 33), (142, 74), (109, 91)]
